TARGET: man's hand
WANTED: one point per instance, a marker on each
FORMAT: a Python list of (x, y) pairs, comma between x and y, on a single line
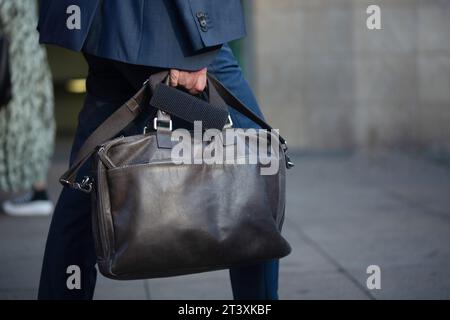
[(193, 81)]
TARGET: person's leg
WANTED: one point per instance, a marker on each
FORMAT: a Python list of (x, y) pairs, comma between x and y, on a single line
[(255, 282), (259, 281), (70, 240), (227, 70), (69, 243)]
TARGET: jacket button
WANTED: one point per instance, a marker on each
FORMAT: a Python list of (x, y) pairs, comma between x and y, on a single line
[(201, 17)]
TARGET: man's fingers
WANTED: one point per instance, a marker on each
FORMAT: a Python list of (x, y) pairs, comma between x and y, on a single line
[(191, 80), (182, 79), (193, 91), (194, 82), (174, 77), (201, 83)]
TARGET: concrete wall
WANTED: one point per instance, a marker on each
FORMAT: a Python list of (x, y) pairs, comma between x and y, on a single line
[(330, 83)]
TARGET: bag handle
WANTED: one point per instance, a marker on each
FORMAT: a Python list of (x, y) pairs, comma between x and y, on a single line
[(189, 108), (123, 116)]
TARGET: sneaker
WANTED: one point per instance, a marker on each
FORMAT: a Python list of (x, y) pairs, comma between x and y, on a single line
[(32, 203)]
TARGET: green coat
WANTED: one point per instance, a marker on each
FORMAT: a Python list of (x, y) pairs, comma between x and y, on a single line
[(27, 124)]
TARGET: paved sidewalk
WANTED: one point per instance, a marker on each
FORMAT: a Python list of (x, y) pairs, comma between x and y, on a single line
[(345, 212)]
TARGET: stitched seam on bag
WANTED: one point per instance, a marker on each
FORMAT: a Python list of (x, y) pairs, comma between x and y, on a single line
[(136, 166)]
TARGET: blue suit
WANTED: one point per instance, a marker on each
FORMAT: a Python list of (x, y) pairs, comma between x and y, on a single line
[(114, 75), (184, 34)]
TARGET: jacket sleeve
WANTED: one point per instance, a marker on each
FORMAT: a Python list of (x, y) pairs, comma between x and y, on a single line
[(52, 25), (211, 22)]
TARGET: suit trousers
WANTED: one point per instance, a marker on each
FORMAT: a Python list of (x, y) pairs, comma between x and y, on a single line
[(70, 240)]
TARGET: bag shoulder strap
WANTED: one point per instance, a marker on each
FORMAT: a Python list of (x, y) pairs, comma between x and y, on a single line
[(239, 106), (116, 122), (123, 116)]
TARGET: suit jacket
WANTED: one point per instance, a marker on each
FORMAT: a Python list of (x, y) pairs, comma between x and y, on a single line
[(185, 34)]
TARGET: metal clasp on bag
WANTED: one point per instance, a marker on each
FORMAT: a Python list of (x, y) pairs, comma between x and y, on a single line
[(157, 122), (166, 80), (229, 123), (289, 163), (85, 185), (167, 124)]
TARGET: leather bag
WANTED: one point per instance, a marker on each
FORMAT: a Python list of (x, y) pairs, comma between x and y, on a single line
[(154, 218)]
